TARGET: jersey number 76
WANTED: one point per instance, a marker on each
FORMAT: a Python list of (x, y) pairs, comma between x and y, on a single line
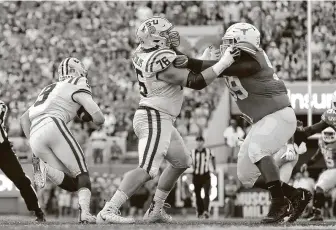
[(43, 96)]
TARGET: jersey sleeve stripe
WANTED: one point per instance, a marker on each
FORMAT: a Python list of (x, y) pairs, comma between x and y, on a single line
[(71, 80), (76, 81), (154, 57), (80, 91)]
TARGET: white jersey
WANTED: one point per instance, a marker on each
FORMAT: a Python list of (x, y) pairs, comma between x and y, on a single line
[(157, 94), (56, 100)]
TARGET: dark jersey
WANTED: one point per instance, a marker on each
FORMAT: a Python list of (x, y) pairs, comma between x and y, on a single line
[(261, 93), (328, 151)]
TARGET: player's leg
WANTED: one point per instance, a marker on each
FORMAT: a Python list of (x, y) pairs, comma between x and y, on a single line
[(68, 151), (11, 167), (199, 201), (154, 138), (270, 134), (46, 163), (207, 188), (179, 158), (325, 182)]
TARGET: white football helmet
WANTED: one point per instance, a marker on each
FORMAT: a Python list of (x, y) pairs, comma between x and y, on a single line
[(156, 32), (71, 67), (333, 102), (240, 32), (329, 135)]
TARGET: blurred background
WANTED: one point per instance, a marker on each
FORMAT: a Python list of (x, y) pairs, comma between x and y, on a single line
[(36, 36)]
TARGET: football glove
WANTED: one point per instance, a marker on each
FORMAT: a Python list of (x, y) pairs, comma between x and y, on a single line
[(84, 115)]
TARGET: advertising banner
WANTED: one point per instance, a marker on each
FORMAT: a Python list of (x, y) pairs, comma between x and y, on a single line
[(253, 203), (322, 94)]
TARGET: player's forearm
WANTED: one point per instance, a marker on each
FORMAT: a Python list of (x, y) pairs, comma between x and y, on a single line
[(201, 80), (315, 128), (25, 124), (91, 107)]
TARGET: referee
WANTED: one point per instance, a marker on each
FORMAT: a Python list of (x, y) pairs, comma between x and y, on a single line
[(202, 158), (11, 167)]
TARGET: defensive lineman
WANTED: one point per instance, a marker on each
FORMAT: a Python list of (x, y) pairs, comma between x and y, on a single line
[(44, 123), (161, 89), (262, 98)]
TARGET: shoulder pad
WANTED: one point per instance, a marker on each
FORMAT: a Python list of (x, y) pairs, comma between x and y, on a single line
[(247, 47), (159, 60), (82, 84)]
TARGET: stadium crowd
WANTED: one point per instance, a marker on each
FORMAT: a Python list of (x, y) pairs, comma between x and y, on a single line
[(37, 35), (323, 40)]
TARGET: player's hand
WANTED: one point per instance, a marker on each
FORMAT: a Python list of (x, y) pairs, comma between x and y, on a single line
[(210, 53), (290, 154), (181, 61), (299, 125), (303, 168), (231, 54)]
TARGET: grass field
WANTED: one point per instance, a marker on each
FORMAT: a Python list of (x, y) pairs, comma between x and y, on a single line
[(27, 223)]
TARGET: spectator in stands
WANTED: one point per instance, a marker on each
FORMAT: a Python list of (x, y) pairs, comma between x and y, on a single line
[(231, 135), (116, 151), (98, 141)]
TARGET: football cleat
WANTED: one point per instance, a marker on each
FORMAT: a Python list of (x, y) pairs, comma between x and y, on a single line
[(86, 217), (111, 215), (40, 217), (40, 172), (299, 200), (157, 215), (206, 215), (278, 210), (317, 216)]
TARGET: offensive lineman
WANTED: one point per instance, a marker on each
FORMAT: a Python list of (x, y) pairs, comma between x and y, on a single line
[(44, 124), (161, 89), (11, 167), (326, 181), (262, 98)]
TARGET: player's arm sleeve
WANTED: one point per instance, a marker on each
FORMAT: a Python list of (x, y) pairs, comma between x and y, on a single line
[(317, 156), (25, 123), (90, 106)]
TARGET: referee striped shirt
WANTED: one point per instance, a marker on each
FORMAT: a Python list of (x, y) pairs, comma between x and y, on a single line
[(201, 161), (3, 114)]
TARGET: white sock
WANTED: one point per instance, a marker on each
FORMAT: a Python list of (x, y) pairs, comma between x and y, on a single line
[(56, 176), (118, 199), (160, 198), (84, 196)]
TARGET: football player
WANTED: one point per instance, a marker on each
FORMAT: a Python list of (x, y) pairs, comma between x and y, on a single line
[(327, 180), (262, 98), (328, 119), (58, 155), (11, 167), (161, 89)]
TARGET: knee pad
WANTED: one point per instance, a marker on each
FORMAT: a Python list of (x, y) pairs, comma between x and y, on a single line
[(83, 181)]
